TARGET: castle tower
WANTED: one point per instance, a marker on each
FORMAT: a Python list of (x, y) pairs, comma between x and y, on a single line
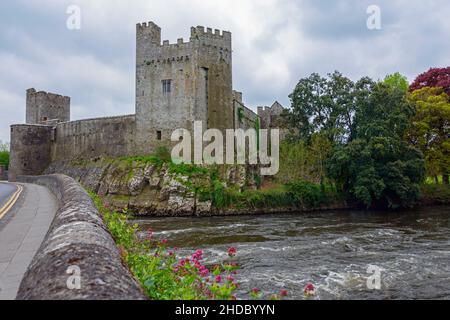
[(177, 84), (46, 108)]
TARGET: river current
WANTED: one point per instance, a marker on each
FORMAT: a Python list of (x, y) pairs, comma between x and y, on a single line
[(343, 253)]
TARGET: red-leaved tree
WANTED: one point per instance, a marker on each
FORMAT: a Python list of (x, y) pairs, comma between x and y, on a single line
[(435, 77)]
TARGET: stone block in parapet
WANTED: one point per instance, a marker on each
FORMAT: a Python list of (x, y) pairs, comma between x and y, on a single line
[(209, 36)]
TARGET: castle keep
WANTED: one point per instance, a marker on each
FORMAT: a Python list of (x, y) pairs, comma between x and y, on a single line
[(176, 84)]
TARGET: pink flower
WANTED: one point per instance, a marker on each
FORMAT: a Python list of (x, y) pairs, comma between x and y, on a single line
[(283, 293), (230, 278), (198, 255), (204, 272), (184, 262), (164, 241), (310, 290), (232, 252), (218, 279), (255, 293)]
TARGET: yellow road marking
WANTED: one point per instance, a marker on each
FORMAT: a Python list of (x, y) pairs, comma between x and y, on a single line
[(10, 203)]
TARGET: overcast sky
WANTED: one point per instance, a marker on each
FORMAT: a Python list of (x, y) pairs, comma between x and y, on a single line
[(275, 43)]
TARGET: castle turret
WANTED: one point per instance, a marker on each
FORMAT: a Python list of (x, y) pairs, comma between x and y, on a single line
[(179, 83), (46, 108), (148, 36)]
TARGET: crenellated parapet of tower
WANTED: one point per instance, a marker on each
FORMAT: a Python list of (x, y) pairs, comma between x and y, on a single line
[(43, 107), (183, 82), (151, 50)]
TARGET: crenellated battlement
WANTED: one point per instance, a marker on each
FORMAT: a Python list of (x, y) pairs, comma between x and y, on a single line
[(51, 96), (201, 32), (150, 46)]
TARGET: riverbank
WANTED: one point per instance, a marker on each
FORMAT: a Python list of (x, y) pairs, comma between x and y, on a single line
[(152, 186), (435, 194)]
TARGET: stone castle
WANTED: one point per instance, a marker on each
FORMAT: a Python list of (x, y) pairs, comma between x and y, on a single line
[(176, 84)]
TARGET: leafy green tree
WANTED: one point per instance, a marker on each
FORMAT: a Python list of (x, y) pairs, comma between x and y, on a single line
[(377, 167), (364, 125), (4, 154), (300, 161), (398, 81), (430, 131), (326, 106)]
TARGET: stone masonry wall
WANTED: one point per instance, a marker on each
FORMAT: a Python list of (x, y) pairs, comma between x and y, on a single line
[(3, 173), (77, 237), (30, 150), (200, 73), (86, 139)]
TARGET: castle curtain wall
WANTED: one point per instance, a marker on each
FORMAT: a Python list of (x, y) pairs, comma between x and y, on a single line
[(91, 138)]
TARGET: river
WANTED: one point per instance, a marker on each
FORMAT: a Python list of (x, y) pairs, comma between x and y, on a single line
[(333, 250)]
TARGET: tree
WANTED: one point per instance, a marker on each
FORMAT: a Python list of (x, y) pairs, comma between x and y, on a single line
[(398, 81), (302, 162), (364, 125), (435, 77), (326, 106), (430, 131), (4, 154), (377, 167)]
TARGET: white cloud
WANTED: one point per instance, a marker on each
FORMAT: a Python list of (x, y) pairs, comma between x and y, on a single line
[(275, 42), (12, 111)]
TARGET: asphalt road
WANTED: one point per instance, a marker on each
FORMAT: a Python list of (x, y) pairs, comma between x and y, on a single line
[(25, 224), (6, 191)]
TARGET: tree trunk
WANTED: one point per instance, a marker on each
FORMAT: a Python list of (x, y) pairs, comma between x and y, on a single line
[(436, 179), (446, 179)]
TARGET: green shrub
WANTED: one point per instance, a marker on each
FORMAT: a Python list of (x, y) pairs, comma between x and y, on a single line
[(437, 193), (4, 154), (4, 159), (306, 194), (161, 273)]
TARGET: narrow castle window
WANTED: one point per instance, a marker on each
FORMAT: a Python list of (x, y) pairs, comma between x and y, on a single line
[(167, 86), (159, 135)]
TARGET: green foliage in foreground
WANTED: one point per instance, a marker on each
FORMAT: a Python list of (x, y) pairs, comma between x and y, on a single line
[(162, 275)]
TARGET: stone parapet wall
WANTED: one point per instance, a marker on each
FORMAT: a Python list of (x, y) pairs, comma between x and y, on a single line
[(77, 239), (90, 138)]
